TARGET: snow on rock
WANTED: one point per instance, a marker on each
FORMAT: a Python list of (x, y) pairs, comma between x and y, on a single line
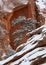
[(41, 4), (8, 5), (34, 50), (43, 64), (25, 63)]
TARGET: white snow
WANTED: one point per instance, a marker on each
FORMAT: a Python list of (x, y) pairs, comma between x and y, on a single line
[(39, 53), (7, 60), (44, 56), (43, 64), (33, 54), (44, 30), (25, 63), (41, 4)]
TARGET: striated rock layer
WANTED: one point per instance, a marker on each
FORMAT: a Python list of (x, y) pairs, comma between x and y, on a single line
[(33, 52)]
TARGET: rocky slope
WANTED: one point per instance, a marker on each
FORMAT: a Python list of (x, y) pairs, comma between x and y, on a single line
[(33, 52)]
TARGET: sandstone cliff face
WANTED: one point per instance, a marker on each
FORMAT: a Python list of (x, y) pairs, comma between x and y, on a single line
[(29, 47)]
